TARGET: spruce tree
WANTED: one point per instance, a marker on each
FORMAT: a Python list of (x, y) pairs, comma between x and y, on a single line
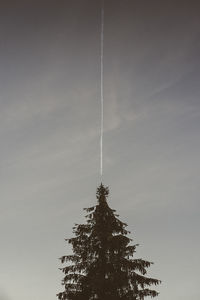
[(102, 265)]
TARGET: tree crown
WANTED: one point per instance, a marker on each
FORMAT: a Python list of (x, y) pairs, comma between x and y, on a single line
[(102, 265)]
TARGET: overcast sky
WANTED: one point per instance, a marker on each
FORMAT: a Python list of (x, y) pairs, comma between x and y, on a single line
[(49, 133)]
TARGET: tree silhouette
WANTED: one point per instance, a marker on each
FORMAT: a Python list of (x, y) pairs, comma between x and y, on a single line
[(102, 265)]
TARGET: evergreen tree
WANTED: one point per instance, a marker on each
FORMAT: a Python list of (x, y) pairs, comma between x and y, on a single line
[(102, 265)]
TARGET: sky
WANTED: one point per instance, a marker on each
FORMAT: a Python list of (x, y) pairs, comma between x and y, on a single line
[(50, 135)]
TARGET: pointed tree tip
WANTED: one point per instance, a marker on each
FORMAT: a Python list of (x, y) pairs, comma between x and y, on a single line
[(102, 191)]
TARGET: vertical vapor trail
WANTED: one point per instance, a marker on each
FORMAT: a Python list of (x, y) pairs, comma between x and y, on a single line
[(102, 98)]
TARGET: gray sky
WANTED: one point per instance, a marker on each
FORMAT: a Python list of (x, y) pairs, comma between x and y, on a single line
[(50, 125)]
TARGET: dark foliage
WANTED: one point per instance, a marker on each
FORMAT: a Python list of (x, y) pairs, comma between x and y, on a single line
[(102, 265)]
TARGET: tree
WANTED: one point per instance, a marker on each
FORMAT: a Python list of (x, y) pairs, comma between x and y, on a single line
[(102, 265)]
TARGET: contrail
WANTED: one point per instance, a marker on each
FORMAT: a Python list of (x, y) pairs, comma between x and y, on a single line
[(102, 91)]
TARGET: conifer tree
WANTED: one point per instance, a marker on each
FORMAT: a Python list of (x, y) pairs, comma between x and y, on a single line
[(102, 265)]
